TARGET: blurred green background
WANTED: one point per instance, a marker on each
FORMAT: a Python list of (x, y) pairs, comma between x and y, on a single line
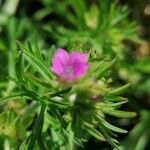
[(115, 28)]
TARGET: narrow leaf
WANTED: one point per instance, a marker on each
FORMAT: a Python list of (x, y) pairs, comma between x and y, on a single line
[(112, 127), (90, 128), (119, 90), (37, 49), (111, 140), (18, 69), (35, 62), (119, 113), (38, 82), (37, 130), (12, 97), (104, 68), (50, 55)]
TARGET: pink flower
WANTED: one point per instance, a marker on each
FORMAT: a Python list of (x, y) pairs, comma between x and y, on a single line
[(69, 66)]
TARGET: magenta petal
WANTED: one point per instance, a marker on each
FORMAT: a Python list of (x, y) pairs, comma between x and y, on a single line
[(60, 60), (77, 56), (78, 61), (80, 69), (61, 56)]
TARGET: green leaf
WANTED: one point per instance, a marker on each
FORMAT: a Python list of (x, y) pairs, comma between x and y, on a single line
[(59, 93), (34, 48), (111, 105), (36, 62), (119, 90), (103, 68), (50, 55), (30, 47), (112, 127), (30, 110), (38, 82), (19, 71), (11, 71), (37, 49), (60, 105), (37, 130), (95, 65), (113, 98), (12, 97), (113, 142), (119, 113), (33, 95), (138, 137), (91, 129)]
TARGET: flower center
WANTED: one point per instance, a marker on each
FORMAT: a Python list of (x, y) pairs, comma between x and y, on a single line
[(68, 70)]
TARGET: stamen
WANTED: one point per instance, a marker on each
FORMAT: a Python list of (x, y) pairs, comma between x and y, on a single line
[(68, 70)]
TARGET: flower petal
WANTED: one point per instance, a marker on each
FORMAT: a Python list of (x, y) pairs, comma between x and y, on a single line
[(80, 69), (78, 61), (60, 60), (77, 56)]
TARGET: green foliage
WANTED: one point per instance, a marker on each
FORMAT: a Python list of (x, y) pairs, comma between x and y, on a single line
[(105, 25), (140, 135), (39, 112), (35, 81)]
